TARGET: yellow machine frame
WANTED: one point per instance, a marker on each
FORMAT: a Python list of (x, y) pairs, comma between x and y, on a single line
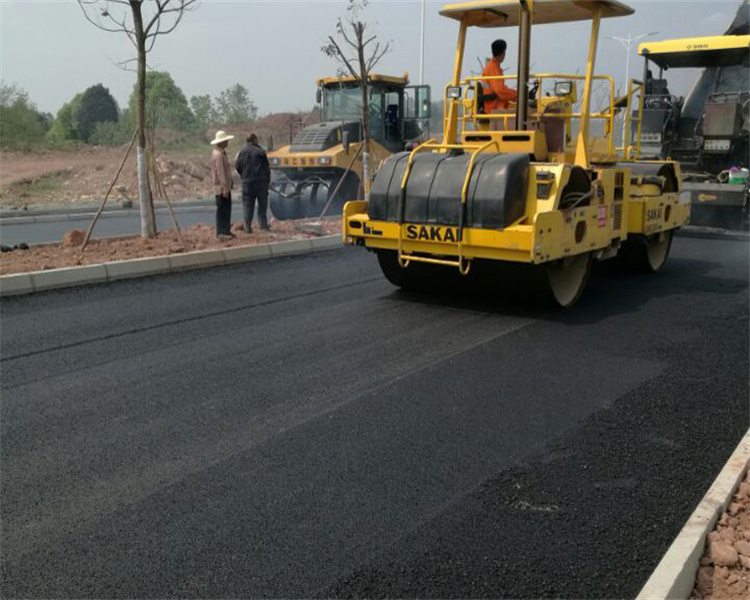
[(623, 202), (699, 52)]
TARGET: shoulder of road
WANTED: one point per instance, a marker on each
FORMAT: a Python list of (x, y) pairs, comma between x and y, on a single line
[(48, 214), (39, 281)]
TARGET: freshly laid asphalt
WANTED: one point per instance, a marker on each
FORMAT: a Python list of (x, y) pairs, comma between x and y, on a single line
[(299, 428)]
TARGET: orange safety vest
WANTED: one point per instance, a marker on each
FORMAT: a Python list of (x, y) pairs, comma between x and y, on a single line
[(504, 94)]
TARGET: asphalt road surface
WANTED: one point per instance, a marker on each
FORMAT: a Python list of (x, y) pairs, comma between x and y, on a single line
[(111, 224), (299, 428)]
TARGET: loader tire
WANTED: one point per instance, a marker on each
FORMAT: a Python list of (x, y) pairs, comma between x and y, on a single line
[(277, 203)]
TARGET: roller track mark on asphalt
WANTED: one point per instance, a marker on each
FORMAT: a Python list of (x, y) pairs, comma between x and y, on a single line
[(182, 321), (94, 503)]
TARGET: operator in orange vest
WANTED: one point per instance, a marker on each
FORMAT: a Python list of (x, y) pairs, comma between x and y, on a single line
[(501, 95)]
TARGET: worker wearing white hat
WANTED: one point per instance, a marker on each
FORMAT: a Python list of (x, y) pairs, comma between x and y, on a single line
[(221, 175)]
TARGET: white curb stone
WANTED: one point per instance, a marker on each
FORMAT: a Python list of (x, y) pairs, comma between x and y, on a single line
[(331, 241), (66, 277), (26, 283), (195, 260), (674, 576), (19, 283), (139, 267), (247, 253), (290, 247)]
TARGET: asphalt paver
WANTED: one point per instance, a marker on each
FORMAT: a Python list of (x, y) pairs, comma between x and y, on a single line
[(297, 427)]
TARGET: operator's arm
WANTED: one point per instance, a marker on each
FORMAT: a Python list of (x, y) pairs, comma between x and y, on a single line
[(238, 164), (502, 91)]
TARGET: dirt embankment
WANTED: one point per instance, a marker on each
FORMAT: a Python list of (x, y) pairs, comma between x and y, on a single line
[(724, 573), (197, 237), (81, 174)]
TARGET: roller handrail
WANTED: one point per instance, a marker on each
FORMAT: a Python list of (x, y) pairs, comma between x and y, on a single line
[(607, 115), (464, 270), (407, 172)]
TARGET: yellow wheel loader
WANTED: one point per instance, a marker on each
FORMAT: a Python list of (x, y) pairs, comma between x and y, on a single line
[(322, 166), (540, 184)]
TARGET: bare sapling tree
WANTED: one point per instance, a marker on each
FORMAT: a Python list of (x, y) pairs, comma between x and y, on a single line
[(142, 21), (357, 51)]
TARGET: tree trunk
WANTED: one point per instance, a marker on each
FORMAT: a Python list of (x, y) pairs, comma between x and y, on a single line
[(365, 111), (148, 227)]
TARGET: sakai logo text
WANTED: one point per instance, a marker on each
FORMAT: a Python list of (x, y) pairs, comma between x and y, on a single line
[(430, 233), (654, 214)]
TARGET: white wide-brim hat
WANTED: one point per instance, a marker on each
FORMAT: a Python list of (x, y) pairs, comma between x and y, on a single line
[(221, 136)]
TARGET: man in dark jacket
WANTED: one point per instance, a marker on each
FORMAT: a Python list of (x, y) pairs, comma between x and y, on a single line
[(252, 165)]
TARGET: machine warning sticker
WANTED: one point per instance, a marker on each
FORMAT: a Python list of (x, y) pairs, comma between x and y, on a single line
[(367, 230), (601, 217)]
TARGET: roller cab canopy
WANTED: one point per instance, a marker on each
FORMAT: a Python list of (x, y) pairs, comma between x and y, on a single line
[(373, 78), (505, 13), (701, 52)]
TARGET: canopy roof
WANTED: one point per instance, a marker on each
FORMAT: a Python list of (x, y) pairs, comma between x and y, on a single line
[(702, 52), (373, 78), (505, 13)]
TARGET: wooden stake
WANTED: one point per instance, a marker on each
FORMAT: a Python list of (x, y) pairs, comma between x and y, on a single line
[(109, 191), (341, 181), (163, 191)]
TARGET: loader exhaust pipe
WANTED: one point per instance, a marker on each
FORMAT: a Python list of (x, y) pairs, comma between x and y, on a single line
[(524, 49)]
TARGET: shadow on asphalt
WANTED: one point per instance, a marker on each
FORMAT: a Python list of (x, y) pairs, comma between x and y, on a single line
[(613, 289)]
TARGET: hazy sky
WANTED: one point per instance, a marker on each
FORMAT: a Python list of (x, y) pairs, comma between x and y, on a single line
[(273, 47)]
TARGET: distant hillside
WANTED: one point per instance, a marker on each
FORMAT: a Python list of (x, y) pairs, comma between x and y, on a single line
[(276, 125)]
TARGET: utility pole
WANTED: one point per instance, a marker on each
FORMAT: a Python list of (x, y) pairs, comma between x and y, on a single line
[(421, 50), (628, 43)]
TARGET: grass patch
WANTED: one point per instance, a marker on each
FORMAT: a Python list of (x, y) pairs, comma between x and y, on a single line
[(44, 185)]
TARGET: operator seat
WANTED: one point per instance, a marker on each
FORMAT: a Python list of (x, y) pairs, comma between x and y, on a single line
[(391, 122)]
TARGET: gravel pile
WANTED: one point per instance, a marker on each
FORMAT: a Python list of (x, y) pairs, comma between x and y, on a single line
[(725, 566)]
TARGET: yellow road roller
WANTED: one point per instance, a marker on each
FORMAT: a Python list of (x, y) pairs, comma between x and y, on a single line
[(540, 183), (321, 167)]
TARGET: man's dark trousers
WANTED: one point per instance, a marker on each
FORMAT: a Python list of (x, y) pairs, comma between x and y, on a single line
[(252, 191), (223, 214)]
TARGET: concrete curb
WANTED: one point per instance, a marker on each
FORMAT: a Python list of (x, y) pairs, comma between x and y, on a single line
[(674, 576), (113, 213), (712, 232), (39, 281)]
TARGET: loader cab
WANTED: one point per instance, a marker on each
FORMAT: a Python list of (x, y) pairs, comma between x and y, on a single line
[(399, 113), (709, 130)]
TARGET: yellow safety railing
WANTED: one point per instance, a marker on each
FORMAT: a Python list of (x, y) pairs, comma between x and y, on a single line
[(463, 265), (473, 115), (628, 150)]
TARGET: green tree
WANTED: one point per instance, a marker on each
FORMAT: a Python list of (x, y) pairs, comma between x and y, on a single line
[(235, 107), (142, 22), (167, 105), (204, 111), (65, 126), (96, 106), (21, 124), (109, 133)]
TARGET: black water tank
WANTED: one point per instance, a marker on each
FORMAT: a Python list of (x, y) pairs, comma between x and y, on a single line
[(496, 196)]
